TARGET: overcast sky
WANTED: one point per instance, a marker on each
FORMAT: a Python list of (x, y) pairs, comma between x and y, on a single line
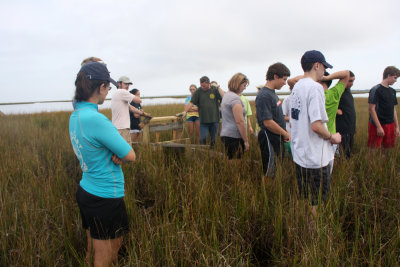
[(164, 46)]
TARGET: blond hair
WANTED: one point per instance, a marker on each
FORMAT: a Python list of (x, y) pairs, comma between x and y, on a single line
[(91, 59), (237, 80)]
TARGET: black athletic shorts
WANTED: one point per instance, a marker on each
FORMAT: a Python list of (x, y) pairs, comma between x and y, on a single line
[(271, 146), (234, 147), (105, 218), (310, 180)]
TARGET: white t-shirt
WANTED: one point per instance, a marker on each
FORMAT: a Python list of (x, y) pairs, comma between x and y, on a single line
[(307, 105), (286, 111), (120, 102)]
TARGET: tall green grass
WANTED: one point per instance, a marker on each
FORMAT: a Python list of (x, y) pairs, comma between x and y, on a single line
[(195, 208)]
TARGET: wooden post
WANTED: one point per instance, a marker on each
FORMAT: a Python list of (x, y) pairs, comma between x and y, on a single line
[(157, 137), (146, 134)]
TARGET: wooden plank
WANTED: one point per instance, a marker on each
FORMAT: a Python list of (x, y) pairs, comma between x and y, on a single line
[(184, 140), (165, 127), (165, 119)]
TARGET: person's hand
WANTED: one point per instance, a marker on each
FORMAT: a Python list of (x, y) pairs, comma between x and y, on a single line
[(251, 131), (145, 114), (286, 137), (116, 160), (246, 146), (380, 131), (335, 138), (397, 132), (339, 112)]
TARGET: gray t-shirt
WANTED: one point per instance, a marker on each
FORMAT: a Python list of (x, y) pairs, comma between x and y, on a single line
[(229, 127), (268, 107)]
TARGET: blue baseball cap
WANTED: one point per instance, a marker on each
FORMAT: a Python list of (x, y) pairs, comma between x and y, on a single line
[(313, 56), (97, 71)]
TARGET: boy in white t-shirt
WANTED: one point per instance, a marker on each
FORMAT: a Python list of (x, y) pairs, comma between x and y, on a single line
[(311, 141)]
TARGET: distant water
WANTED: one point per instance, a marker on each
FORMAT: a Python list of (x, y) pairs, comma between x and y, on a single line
[(67, 106)]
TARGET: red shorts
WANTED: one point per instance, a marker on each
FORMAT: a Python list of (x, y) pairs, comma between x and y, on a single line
[(388, 140)]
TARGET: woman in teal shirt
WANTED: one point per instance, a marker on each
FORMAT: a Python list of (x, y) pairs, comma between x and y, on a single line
[(100, 150)]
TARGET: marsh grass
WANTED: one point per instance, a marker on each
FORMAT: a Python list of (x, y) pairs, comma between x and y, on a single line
[(196, 209)]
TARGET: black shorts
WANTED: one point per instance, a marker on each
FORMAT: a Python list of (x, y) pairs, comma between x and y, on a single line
[(310, 180), (271, 146), (234, 147), (105, 218)]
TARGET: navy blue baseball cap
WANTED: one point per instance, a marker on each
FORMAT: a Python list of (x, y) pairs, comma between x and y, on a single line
[(97, 71), (313, 56)]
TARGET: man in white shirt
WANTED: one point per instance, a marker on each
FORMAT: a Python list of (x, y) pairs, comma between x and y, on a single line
[(311, 141), (120, 107)]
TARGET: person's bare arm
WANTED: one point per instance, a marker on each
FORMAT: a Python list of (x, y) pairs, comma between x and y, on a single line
[(131, 157), (188, 107), (239, 119), (292, 81), (251, 131), (343, 76), (286, 118), (374, 116), (193, 108), (396, 123), (135, 110), (137, 100), (319, 128), (220, 91), (276, 129), (116, 160)]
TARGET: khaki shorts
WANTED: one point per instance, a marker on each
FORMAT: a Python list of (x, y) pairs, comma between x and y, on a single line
[(125, 133)]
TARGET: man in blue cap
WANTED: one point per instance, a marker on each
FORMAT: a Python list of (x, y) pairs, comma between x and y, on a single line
[(311, 141)]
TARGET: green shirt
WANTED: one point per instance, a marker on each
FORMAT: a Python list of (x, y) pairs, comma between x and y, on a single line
[(332, 98), (247, 107), (208, 103)]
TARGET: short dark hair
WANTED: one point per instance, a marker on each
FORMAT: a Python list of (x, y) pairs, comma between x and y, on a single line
[(328, 83), (85, 88), (392, 71), (307, 66), (204, 79), (134, 91), (277, 69), (351, 74)]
